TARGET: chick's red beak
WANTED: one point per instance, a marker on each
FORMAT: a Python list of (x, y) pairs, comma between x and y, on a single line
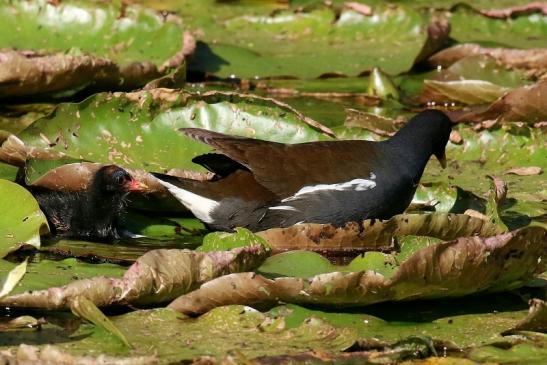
[(136, 186)]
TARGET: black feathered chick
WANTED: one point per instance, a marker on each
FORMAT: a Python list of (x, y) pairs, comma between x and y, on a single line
[(91, 214)]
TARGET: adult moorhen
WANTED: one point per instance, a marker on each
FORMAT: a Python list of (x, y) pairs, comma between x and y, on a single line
[(91, 214), (260, 184)]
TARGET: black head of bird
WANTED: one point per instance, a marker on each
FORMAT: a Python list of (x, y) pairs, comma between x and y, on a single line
[(112, 179)]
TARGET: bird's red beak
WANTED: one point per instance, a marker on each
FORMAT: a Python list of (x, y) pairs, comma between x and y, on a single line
[(136, 186)]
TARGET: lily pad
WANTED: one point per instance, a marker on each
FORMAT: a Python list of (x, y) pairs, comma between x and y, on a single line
[(534, 59), (456, 268), (21, 221), (374, 234), (460, 323), (223, 241), (82, 45), (143, 132), (257, 45), (524, 31), (156, 277), (214, 334)]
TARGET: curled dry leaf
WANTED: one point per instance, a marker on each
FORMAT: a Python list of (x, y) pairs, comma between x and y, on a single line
[(156, 277), (374, 234), (536, 320), (77, 176), (524, 104), (456, 268), (375, 123), (525, 171), (84, 308), (470, 92), (437, 34), (534, 59), (533, 7), (29, 73), (359, 8), (104, 63)]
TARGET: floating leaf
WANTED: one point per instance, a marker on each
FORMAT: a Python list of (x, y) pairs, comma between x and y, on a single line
[(530, 59), (524, 31), (380, 85), (84, 308), (223, 241), (21, 221), (156, 277), (373, 234), (12, 278), (466, 91), (85, 46), (456, 268), (289, 42), (143, 133)]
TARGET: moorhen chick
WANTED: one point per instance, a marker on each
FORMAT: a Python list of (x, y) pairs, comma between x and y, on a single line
[(260, 184), (91, 214)]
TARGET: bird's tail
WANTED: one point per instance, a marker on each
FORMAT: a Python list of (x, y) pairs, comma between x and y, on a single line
[(184, 190)]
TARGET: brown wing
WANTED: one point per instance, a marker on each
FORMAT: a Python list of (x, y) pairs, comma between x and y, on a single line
[(285, 168)]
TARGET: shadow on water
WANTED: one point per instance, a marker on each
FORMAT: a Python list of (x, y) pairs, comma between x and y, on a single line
[(204, 61)]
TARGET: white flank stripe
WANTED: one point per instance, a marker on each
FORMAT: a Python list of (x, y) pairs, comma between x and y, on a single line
[(355, 185), (200, 206), (284, 207)]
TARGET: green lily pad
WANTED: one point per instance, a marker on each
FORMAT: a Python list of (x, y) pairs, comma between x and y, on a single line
[(21, 221), (524, 31), (48, 273), (461, 323), (12, 278), (223, 241), (216, 334), (143, 131), (257, 45), (299, 264)]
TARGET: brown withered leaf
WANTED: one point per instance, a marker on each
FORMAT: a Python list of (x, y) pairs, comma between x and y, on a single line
[(456, 268), (536, 320), (534, 59), (533, 7), (374, 234), (157, 276), (525, 171), (524, 104), (359, 8), (28, 72), (437, 35), (373, 122)]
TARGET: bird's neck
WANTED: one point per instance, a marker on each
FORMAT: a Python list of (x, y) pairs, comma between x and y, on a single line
[(414, 153)]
